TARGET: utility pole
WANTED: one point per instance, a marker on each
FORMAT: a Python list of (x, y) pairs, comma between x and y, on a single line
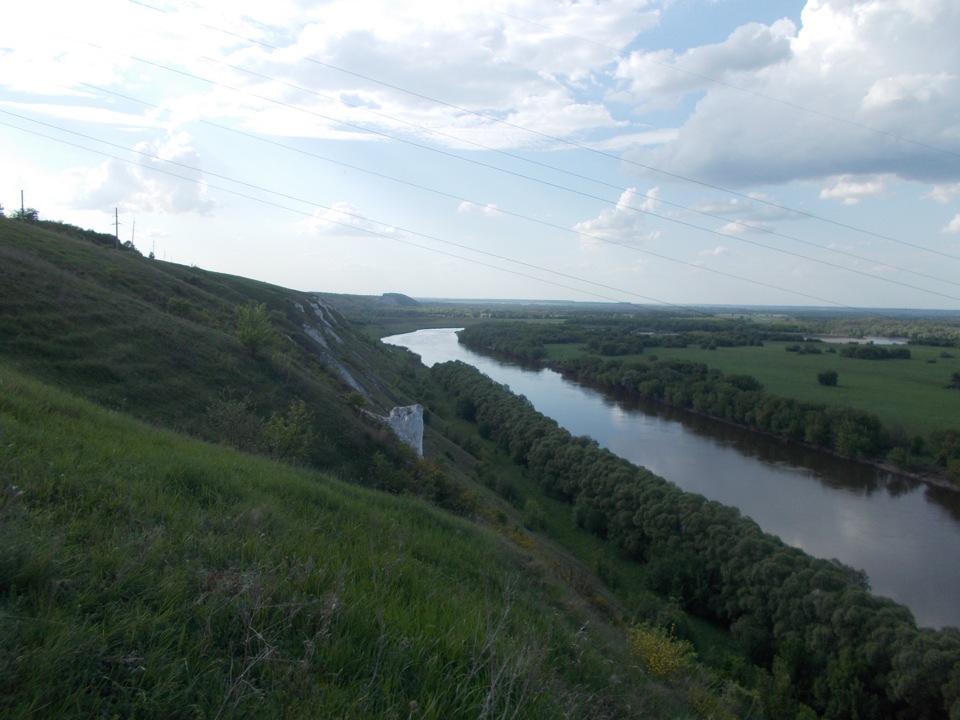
[(23, 212), (116, 226)]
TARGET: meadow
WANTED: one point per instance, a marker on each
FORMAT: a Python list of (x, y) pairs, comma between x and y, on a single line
[(905, 394)]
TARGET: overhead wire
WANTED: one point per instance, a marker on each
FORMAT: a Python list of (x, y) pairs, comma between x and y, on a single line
[(597, 151), (605, 200), (571, 173), (557, 186), (564, 228), (717, 81), (402, 229)]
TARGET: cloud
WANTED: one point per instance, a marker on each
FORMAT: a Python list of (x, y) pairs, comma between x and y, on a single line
[(623, 223), (745, 227), (867, 88), (756, 213), (85, 113), (148, 184), (661, 78), (470, 208), (953, 227), (524, 67), (850, 190), (343, 220), (944, 194)]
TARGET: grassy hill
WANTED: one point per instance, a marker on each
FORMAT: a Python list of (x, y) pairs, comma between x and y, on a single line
[(178, 539), (145, 574)]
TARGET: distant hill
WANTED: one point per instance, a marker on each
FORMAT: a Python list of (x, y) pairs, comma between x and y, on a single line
[(398, 299)]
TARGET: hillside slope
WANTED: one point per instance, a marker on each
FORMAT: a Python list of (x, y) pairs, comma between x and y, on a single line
[(148, 572), (144, 574)]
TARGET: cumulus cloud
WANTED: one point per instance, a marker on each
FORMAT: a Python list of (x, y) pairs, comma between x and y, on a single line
[(663, 77), (744, 227), (623, 223), (953, 227), (165, 178), (850, 190), (521, 64), (944, 193), (470, 208), (754, 213), (343, 220), (867, 88)]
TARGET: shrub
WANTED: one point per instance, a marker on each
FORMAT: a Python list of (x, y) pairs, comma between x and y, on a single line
[(254, 329), (827, 378), (290, 437), (661, 653)]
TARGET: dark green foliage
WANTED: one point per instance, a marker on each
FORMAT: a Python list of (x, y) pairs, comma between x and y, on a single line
[(610, 337), (290, 436), (807, 349), (254, 330), (828, 378), (874, 352), (830, 645), (26, 215), (232, 421)]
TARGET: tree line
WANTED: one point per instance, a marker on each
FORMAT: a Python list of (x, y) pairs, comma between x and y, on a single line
[(735, 398), (825, 643)]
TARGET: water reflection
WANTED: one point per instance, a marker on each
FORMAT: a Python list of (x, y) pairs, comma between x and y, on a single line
[(904, 534)]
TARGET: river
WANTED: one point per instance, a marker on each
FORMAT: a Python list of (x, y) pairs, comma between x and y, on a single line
[(904, 534)]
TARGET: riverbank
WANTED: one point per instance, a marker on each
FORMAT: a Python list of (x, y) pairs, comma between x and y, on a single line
[(894, 528), (928, 475)]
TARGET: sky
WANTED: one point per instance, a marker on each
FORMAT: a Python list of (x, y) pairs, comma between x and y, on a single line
[(675, 152)]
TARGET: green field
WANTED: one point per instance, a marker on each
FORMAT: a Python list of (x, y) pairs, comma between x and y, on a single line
[(907, 394)]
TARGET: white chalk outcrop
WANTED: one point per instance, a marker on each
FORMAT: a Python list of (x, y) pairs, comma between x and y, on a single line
[(320, 334), (407, 423)]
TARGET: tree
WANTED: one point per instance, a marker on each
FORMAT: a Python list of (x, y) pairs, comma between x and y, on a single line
[(254, 329), (28, 215), (827, 378), (290, 436)]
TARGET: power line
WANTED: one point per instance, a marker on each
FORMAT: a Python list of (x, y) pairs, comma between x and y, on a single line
[(386, 116), (567, 229), (723, 83), (587, 148), (563, 228), (620, 205), (412, 232)]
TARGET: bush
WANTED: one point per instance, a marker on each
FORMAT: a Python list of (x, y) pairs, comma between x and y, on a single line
[(828, 378), (290, 436), (661, 653), (254, 329)]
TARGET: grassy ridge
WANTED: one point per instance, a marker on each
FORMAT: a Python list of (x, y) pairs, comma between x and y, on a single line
[(159, 341), (144, 574)]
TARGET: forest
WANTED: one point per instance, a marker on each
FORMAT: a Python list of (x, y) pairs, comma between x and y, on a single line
[(827, 646)]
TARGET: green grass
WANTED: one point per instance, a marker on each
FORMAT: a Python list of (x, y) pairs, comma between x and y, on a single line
[(147, 575), (907, 394), (153, 575), (159, 341)]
